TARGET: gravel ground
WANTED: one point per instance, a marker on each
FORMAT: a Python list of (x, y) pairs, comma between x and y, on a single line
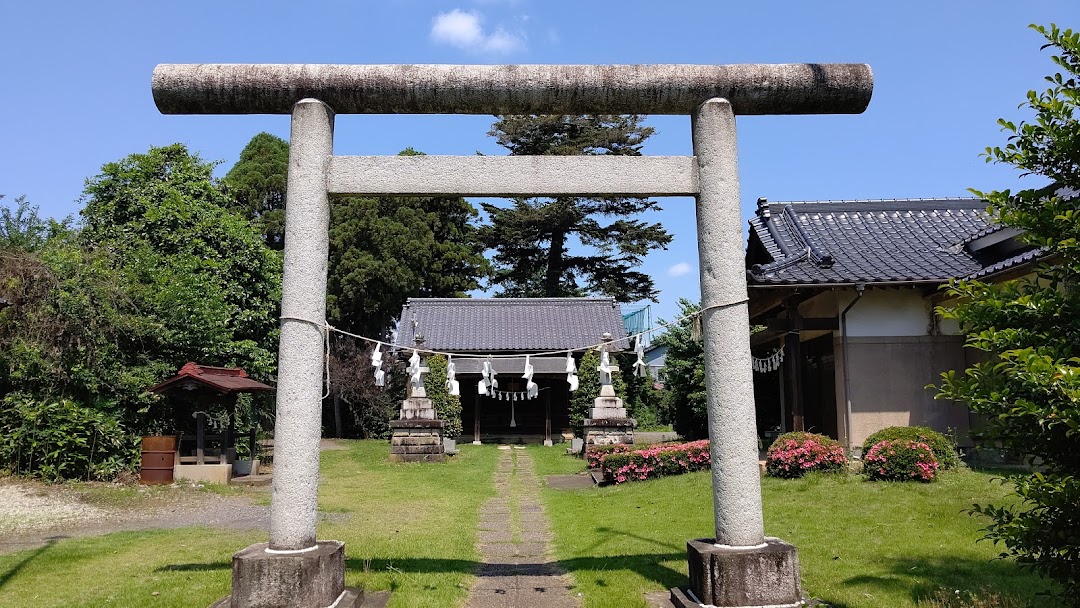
[(32, 514), (24, 507)]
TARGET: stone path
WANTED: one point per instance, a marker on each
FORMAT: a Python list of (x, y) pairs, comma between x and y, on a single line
[(517, 568)]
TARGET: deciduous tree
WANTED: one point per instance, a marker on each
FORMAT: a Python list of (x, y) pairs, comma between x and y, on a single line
[(684, 375), (23, 229), (205, 273), (1029, 387)]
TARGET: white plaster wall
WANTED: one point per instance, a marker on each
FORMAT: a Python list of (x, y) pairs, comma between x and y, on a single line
[(949, 327), (887, 312)]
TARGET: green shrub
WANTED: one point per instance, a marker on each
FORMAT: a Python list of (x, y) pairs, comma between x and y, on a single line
[(796, 454), (61, 439), (446, 405), (595, 453), (900, 460), (944, 447)]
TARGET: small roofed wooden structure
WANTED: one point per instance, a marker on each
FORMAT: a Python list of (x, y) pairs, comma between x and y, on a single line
[(224, 380), (203, 383)]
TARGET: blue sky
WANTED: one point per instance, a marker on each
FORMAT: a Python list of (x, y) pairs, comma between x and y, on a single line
[(76, 86)]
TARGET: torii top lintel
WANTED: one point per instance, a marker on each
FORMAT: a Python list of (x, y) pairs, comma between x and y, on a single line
[(794, 88)]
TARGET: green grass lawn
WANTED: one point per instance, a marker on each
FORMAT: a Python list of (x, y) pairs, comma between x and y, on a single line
[(412, 529), (409, 528), (861, 544)]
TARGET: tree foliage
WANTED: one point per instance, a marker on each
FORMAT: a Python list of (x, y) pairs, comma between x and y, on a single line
[(200, 270), (256, 184), (367, 408), (1029, 388), (382, 250), (533, 238), (446, 405), (386, 250), (684, 376), (23, 229), (159, 273)]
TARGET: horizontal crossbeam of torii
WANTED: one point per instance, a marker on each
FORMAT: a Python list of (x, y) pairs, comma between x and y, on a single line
[(712, 95), (790, 88)]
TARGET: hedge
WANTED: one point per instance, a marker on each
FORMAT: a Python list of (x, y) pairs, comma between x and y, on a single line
[(655, 461), (944, 447)]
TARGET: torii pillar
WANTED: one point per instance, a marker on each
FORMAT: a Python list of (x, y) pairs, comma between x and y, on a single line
[(738, 565)]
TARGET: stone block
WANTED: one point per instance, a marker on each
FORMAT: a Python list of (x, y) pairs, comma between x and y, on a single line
[(396, 425), (417, 408), (725, 576), (609, 431), (417, 457), (210, 473), (417, 403), (421, 440), (311, 579), (607, 412), (416, 440)]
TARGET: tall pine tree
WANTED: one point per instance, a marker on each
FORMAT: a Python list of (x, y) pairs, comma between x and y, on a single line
[(257, 183), (533, 238)]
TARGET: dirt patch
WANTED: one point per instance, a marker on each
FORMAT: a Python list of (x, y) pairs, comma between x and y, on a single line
[(31, 507), (570, 482), (33, 513)]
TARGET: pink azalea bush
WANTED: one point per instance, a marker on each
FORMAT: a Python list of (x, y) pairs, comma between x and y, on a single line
[(656, 461), (796, 454), (901, 460)]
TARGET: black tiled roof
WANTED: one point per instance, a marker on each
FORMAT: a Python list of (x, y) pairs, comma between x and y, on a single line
[(513, 367), (844, 242), (1028, 256), (510, 324)]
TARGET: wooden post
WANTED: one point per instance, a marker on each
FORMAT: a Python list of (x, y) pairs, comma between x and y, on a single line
[(783, 402), (476, 421), (547, 417), (793, 366), (338, 426), (252, 438), (200, 438), (228, 449)]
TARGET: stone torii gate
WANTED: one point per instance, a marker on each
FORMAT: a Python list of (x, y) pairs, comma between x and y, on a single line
[(739, 566)]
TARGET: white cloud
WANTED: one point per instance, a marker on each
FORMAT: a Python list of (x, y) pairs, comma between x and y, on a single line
[(464, 30), (679, 269), (457, 28)]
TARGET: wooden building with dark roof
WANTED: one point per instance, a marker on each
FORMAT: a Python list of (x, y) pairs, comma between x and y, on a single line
[(848, 291), (473, 328)]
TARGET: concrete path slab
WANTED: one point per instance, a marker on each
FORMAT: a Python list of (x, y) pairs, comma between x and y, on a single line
[(569, 482), (517, 568)]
